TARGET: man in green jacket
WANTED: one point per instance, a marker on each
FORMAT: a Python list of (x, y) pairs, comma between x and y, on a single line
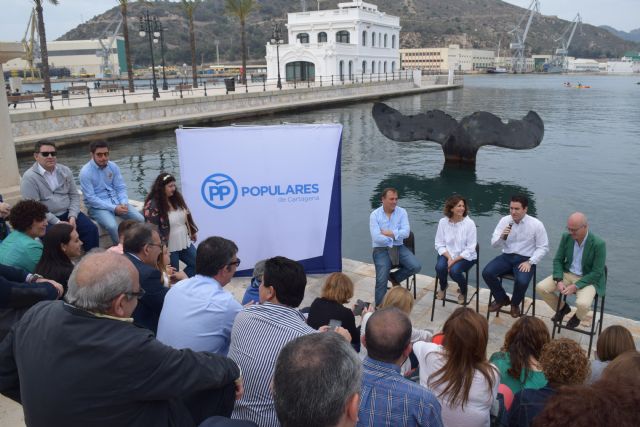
[(578, 267)]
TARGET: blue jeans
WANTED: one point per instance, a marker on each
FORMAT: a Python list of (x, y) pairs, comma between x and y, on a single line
[(505, 264), (87, 230), (188, 256), (107, 220), (409, 265), (457, 272)]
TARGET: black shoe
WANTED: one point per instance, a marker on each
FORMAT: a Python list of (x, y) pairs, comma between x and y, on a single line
[(561, 313), (573, 322), (495, 306)]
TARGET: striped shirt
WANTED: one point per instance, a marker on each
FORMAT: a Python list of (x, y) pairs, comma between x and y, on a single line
[(390, 400), (258, 334), (457, 238)]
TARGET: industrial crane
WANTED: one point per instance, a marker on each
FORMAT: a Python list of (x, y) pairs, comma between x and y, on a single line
[(105, 52), (520, 36), (31, 45), (558, 61)]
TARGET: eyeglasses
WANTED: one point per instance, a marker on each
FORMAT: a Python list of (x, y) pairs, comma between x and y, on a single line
[(48, 153), (160, 245), (102, 154), (138, 294), (236, 263), (573, 230)]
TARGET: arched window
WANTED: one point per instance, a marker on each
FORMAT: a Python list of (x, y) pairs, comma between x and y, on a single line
[(385, 40), (364, 67), (322, 37), (393, 41), (379, 39), (385, 67), (303, 37), (373, 67), (373, 39), (341, 71), (393, 66), (350, 70), (342, 37), (300, 71), (364, 38)]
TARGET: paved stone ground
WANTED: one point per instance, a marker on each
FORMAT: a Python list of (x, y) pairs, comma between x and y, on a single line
[(363, 277)]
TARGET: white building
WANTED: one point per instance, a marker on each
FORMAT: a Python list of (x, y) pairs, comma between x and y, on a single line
[(627, 64), (582, 65), (80, 57), (443, 58), (354, 40)]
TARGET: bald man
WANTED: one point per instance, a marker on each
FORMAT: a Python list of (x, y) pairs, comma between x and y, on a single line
[(578, 268)]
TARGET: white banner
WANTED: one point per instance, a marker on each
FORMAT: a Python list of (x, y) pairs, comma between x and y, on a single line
[(273, 190)]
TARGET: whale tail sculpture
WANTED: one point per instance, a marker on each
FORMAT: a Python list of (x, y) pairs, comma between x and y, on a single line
[(460, 141)]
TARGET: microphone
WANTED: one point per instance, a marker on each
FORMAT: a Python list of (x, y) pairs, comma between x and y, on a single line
[(504, 236)]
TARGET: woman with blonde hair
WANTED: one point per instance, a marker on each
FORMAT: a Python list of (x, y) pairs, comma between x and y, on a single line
[(336, 291), (458, 372), (518, 358), (612, 342)]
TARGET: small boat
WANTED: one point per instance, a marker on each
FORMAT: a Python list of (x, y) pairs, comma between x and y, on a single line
[(582, 87), (496, 70)]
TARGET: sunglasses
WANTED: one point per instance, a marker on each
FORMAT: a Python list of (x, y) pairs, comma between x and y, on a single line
[(48, 153), (236, 263)]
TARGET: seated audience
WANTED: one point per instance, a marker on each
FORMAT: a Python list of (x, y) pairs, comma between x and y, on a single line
[(563, 363), (82, 363), (61, 244), (20, 290), (388, 398), (401, 299), (164, 267), (122, 228), (261, 330), (458, 372), (22, 247), (316, 382), (612, 342), (252, 294), (197, 312), (624, 368), (142, 246), (5, 208), (336, 291), (518, 358)]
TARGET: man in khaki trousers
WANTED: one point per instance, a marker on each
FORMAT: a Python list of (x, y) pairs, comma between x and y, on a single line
[(578, 267)]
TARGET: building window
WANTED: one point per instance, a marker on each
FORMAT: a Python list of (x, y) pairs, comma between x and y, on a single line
[(373, 67), (303, 37), (373, 39), (350, 70), (393, 66), (364, 38), (379, 39), (385, 40), (385, 67), (364, 67), (341, 69), (393, 41), (322, 37), (342, 37), (301, 71)]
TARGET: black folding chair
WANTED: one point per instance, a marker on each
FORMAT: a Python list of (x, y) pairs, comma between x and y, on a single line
[(410, 243), (599, 321), (510, 277), (475, 295)]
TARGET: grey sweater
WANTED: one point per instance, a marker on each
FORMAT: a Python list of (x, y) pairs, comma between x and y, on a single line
[(63, 199)]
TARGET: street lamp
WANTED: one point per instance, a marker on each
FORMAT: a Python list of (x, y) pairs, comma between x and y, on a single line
[(276, 38), (160, 29), (149, 28)]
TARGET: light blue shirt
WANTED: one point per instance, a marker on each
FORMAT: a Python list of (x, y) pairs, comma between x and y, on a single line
[(198, 314), (103, 188), (576, 262), (397, 222)]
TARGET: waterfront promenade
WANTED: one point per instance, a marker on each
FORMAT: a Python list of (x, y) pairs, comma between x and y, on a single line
[(363, 276)]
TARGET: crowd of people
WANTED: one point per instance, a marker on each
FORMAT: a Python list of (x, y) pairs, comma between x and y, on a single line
[(124, 337)]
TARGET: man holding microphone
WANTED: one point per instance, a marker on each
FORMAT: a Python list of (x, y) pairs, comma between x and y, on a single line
[(524, 242)]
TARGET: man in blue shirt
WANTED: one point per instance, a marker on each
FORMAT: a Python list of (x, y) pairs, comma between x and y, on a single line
[(105, 193), (389, 226), (197, 312), (388, 398)]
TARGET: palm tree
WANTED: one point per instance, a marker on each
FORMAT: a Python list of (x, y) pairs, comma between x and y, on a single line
[(241, 9), (189, 8), (44, 54), (127, 50)]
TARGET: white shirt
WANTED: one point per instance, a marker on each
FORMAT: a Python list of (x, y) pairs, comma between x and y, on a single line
[(178, 231), (50, 177), (576, 262), (527, 238), (457, 238), (477, 409)]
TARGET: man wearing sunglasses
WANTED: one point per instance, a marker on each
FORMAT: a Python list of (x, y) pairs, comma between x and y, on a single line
[(53, 185)]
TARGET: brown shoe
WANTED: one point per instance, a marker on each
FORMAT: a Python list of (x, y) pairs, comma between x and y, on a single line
[(515, 311), (495, 306), (393, 281)]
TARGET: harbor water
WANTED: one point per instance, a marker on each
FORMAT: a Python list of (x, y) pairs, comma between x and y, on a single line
[(588, 161)]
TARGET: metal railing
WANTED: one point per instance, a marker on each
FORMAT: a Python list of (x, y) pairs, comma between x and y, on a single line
[(109, 94)]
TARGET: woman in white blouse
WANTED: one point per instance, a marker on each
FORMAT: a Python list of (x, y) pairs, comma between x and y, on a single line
[(456, 240)]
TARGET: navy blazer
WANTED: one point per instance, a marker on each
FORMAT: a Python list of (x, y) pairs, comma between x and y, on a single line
[(147, 313)]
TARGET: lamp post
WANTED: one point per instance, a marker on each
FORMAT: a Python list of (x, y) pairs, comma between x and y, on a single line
[(149, 28), (276, 38), (160, 28)]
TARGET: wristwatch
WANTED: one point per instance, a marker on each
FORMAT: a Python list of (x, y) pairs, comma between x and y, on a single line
[(34, 277)]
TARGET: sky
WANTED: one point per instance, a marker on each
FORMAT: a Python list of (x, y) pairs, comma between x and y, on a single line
[(620, 14)]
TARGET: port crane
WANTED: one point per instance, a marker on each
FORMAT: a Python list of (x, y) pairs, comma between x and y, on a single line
[(559, 58), (520, 37), (106, 67), (31, 44)]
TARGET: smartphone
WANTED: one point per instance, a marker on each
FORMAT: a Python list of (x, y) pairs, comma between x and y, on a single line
[(333, 324), (360, 306)]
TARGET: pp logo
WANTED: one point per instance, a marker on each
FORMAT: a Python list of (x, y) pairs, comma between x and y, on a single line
[(219, 191)]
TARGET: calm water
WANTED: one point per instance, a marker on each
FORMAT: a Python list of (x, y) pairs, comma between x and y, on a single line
[(589, 161)]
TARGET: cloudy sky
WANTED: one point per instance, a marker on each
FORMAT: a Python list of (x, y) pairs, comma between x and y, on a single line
[(620, 14)]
